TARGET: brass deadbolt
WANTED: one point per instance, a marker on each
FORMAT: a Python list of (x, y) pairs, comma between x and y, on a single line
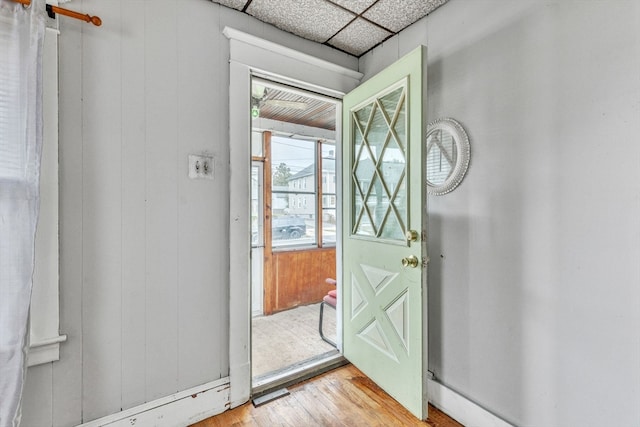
[(412, 235)]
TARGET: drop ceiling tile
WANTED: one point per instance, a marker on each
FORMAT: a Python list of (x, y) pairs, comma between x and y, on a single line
[(356, 6), (359, 37), (397, 14), (234, 4), (315, 20)]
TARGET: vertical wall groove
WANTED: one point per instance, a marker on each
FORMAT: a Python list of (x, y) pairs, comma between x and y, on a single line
[(144, 273)]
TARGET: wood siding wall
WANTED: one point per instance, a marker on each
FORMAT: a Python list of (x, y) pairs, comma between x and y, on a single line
[(298, 278), (144, 250)]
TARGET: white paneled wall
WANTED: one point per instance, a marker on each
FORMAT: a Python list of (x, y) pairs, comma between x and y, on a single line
[(144, 249), (134, 143)]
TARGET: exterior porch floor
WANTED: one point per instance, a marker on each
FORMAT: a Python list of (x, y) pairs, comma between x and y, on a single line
[(289, 337)]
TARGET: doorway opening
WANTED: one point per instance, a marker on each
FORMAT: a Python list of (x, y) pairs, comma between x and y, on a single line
[(294, 219)]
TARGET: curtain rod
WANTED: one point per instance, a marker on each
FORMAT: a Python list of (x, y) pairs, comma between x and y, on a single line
[(66, 12)]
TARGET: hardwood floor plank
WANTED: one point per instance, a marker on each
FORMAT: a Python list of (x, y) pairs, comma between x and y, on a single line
[(342, 397), (323, 410), (289, 414)]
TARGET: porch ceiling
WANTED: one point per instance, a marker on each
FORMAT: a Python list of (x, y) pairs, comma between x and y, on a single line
[(284, 106), (353, 26)]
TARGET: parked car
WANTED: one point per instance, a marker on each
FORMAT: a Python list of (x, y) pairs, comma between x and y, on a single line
[(288, 227)]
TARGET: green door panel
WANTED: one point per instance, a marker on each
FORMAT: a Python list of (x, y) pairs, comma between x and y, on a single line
[(384, 302)]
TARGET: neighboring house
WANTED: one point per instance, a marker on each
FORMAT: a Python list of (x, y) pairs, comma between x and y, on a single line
[(280, 205), (534, 274), (300, 203), (304, 181)]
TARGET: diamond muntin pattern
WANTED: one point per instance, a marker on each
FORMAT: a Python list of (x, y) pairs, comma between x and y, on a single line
[(379, 167)]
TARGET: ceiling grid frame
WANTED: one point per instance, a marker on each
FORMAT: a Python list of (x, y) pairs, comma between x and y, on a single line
[(351, 26)]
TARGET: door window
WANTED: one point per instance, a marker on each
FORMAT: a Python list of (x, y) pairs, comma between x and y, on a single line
[(380, 166)]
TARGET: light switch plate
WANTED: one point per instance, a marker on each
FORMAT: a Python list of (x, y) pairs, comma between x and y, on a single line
[(200, 166)]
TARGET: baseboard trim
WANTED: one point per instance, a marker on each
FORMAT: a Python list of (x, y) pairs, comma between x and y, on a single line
[(460, 408), (207, 400), (180, 409)]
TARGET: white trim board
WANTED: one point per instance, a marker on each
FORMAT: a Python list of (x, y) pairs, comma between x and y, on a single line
[(251, 56), (460, 408), (266, 45), (45, 351), (44, 312), (179, 409)]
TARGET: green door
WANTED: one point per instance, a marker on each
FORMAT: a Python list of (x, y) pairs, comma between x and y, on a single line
[(384, 217)]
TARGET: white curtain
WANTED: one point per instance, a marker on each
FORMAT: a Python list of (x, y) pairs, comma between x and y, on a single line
[(21, 42)]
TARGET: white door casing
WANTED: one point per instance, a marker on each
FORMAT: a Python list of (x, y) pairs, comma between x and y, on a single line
[(253, 56)]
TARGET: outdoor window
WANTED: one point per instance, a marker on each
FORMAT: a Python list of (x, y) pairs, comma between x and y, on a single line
[(296, 199), (44, 335)]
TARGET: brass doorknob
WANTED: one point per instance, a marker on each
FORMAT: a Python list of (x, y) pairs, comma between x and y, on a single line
[(410, 261), (412, 235)]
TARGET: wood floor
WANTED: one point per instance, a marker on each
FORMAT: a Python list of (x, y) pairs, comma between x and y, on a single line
[(342, 397)]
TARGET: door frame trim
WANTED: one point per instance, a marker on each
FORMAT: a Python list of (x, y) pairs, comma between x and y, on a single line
[(249, 56)]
